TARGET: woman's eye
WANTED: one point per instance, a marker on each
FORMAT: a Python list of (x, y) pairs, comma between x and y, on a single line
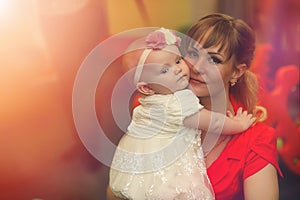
[(214, 60), (192, 54), (164, 70)]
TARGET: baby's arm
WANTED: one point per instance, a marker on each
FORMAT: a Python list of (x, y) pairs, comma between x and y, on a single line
[(231, 124)]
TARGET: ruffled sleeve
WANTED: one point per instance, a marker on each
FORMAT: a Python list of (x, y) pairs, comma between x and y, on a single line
[(188, 102), (262, 151)]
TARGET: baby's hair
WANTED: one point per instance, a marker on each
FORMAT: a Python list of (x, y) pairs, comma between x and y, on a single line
[(138, 51)]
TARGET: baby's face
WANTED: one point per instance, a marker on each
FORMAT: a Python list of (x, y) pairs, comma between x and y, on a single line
[(165, 71)]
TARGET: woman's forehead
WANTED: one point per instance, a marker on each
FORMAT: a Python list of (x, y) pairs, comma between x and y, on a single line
[(203, 45), (210, 38)]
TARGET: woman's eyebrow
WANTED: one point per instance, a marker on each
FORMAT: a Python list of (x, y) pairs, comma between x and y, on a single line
[(215, 53), (196, 47)]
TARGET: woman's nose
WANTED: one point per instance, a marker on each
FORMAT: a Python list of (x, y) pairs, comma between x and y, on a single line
[(199, 64), (197, 68), (193, 65)]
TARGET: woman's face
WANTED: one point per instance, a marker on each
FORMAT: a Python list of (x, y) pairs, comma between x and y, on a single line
[(209, 72)]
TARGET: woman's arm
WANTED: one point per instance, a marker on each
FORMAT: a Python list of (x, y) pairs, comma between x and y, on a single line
[(262, 185), (228, 125)]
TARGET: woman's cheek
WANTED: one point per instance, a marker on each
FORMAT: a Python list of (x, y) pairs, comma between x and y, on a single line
[(189, 62), (200, 90)]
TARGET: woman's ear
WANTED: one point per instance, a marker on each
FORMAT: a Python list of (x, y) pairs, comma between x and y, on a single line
[(237, 73), (144, 88)]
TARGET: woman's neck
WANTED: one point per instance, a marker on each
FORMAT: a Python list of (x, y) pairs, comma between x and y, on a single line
[(218, 103), (223, 106)]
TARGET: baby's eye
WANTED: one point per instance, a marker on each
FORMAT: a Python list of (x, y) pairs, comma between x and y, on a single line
[(178, 61), (164, 70)]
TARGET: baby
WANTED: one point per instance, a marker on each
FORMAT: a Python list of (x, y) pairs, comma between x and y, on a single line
[(160, 156)]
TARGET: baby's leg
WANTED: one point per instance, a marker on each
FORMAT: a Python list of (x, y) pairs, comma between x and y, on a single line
[(111, 196)]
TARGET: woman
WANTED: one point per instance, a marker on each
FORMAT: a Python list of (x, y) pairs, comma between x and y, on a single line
[(243, 166)]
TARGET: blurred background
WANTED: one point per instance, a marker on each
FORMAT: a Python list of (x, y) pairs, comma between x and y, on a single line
[(43, 44)]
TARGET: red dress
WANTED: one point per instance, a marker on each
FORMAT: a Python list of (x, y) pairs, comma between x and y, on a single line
[(243, 156)]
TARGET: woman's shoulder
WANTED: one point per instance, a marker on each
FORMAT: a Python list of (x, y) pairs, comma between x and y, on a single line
[(259, 138), (256, 146), (260, 132)]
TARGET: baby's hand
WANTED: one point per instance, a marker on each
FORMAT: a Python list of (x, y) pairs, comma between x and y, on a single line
[(243, 118)]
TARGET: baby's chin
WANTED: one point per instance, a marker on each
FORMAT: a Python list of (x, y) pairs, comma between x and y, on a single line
[(187, 83), (186, 86)]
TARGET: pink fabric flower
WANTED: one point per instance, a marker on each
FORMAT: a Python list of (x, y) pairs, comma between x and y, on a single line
[(178, 41), (158, 39)]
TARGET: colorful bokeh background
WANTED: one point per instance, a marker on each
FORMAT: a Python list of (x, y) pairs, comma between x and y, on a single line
[(42, 45)]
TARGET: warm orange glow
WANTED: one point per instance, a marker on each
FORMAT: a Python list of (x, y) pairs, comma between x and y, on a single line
[(42, 46), (6, 6)]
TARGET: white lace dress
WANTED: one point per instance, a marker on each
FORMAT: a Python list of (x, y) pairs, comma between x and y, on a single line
[(159, 158)]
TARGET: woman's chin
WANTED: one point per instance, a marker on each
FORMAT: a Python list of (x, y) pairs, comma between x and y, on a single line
[(199, 89)]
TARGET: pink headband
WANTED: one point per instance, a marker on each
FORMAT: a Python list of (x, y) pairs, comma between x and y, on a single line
[(156, 40)]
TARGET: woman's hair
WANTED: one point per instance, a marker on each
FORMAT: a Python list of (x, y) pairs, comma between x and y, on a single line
[(237, 39)]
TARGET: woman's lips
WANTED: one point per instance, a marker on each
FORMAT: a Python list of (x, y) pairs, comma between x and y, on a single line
[(197, 81)]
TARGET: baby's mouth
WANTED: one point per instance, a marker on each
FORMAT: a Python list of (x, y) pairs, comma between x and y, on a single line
[(182, 77)]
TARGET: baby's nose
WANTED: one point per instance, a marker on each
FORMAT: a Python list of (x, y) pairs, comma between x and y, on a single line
[(178, 70)]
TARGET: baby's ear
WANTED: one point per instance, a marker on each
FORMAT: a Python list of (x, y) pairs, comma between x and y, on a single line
[(144, 88)]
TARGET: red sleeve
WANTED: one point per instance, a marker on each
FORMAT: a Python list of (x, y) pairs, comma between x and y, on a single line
[(262, 151)]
